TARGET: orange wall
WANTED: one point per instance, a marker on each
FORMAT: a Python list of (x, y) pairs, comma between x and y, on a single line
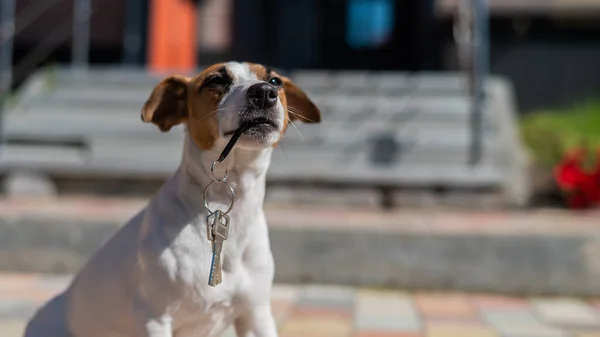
[(172, 28)]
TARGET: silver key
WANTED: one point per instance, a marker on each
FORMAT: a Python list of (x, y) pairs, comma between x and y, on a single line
[(215, 276), (219, 232), (210, 224)]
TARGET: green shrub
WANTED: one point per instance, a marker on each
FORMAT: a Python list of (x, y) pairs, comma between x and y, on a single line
[(548, 134)]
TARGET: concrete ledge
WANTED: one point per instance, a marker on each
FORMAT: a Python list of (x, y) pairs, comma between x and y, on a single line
[(537, 253), (504, 264)]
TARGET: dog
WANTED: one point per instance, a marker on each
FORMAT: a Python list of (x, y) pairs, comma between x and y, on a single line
[(150, 278)]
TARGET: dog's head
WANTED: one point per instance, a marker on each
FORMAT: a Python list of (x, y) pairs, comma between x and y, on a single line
[(225, 96)]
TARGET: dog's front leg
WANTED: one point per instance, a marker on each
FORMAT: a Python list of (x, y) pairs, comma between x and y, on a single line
[(159, 327), (257, 322)]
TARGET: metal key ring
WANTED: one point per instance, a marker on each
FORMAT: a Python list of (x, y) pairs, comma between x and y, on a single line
[(230, 191), (212, 172)]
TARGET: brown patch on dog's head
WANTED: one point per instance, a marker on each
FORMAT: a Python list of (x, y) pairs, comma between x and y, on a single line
[(207, 91), (299, 106), (198, 102), (166, 106), (193, 101)]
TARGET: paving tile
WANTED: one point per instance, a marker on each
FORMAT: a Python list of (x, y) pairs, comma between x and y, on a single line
[(285, 292), (315, 327), (433, 305), (326, 296), (33, 294), (55, 283), (17, 309), (520, 323), (381, 302), (535, 332), (493, 302), (326, 313), (332, 311), (384, 334), (385, 312), (12, 328), (595, 303), (281, 310), (459, 330), (34, 288), (387, 323), (567, 312), (512, 317), (230, 332), (18, 281), (464, 320)]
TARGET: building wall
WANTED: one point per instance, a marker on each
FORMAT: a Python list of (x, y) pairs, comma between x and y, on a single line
[(106, 22), (214, 23), (551, 62)]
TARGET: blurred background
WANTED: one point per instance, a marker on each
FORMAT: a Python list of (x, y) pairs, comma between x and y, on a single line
[(451, 190)]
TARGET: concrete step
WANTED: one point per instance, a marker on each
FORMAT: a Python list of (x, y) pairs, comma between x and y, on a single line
[(289, 167), (130, 126), (445, 109), (96, 115), (544, 252), (422, 138)]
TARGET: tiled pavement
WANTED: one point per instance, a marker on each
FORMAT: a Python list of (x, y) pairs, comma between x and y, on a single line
[(332, 311)]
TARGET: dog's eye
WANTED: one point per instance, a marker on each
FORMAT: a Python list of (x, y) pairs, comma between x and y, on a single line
[(217, 81), (276, 82)]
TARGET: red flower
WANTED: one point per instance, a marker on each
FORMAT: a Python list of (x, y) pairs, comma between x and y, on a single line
[(568, 174), (582, 188), (578, 201)]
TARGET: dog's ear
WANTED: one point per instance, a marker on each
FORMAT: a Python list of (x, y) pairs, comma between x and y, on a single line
[(300, 107), (166, 106)]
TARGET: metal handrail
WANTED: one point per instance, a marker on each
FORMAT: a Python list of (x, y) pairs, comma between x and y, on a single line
[(33, 13), (480, 73), (80, 28), (471, 34), (81, 34), (44, 48), (7, 29)]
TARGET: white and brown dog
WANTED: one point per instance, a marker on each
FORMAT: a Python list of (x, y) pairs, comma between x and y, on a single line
[(150, 278)]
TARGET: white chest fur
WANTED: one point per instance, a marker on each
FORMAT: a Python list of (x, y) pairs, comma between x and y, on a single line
[(182, 254), (151, 278)]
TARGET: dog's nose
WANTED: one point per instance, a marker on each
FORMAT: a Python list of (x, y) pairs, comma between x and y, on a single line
[(262, 95)]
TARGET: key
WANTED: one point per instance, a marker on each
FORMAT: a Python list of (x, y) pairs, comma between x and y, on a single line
[(215, 276), (220, 231), (210, 224)]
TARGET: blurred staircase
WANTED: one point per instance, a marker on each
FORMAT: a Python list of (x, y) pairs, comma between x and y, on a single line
[(392, 139)]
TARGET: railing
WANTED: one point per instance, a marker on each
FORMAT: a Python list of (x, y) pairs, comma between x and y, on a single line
[(471, 28), (78, 28), (471, 34), (7, 33)]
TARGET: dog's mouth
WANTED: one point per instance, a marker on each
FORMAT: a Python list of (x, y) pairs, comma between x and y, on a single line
[(261, 125)]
